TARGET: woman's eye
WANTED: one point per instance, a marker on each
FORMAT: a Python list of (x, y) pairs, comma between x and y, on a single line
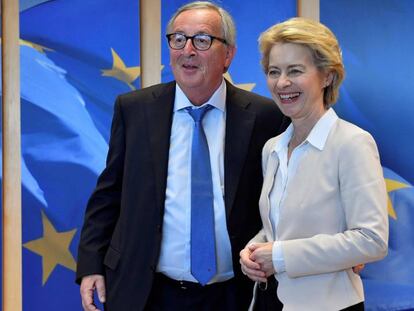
[(273, 73)]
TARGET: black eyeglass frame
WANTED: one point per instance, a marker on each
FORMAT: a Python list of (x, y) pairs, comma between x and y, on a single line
[(212, 38)]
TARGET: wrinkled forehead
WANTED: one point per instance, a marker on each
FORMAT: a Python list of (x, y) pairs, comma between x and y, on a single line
[(198, 21)]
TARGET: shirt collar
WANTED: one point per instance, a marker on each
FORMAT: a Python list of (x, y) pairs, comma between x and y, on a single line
[(217, 100), (284, 139), (318, 135)]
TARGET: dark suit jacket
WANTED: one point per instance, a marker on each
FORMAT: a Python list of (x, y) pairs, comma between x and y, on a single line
[(121, 236)]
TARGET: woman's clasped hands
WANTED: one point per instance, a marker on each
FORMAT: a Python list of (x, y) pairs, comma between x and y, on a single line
[(256, 261)]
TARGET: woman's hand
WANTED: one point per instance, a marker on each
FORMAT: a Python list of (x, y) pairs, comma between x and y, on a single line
[(251, 268), (358, 268), (261, 253)]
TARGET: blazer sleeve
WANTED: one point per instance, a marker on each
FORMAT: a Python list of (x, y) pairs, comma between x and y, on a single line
[(260, 237), (363, 198), (103, 207)]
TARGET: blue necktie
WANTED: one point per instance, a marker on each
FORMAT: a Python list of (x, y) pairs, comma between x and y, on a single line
[(203, 250)]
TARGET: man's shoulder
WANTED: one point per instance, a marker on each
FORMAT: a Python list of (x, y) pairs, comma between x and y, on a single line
[(148, 93), (265, 109), (254, 98)]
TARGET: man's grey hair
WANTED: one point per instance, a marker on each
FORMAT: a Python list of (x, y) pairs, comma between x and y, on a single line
[(227, 23)]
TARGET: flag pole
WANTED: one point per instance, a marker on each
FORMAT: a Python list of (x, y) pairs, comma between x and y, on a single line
[(309, 9), (150, 43), (11, 185)]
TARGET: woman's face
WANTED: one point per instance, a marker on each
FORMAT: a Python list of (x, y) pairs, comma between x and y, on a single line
[(296, 84)]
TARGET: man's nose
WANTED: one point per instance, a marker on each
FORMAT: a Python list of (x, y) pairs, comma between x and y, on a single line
[(189, 49)]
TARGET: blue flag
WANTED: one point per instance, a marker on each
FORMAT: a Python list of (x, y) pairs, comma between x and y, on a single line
[(389, 283), (377, 95), (76, 56)]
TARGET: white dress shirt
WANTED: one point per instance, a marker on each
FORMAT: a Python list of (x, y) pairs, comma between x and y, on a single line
[(175, 259), (287, 169)]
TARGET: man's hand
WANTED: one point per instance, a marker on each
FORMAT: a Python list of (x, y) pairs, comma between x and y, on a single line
[(249, 267), (89, 284)]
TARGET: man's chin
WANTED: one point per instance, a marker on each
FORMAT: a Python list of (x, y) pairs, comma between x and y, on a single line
[(189, 82)]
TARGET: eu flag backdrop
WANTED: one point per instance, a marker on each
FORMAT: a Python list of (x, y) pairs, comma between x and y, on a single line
[(377, 43), (76, 56)]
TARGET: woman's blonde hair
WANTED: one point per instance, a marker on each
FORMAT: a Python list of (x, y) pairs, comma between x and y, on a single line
[(322, 43)]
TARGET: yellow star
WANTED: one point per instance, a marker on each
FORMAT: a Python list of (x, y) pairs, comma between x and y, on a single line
[(121, 72), (393, 185), (244, 86), (37, 47), (53, 247)]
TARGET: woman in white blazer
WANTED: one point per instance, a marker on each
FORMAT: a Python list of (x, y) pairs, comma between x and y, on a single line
[(323, 201)]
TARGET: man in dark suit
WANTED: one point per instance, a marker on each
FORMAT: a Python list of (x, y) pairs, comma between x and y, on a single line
[(135, 248)]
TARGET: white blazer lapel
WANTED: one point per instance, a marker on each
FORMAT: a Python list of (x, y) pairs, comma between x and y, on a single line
[(270, 173)]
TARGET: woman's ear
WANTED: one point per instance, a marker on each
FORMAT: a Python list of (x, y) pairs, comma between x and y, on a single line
[(328, 79)]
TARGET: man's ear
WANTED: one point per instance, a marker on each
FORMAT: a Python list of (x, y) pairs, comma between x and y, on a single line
[(231, 51)]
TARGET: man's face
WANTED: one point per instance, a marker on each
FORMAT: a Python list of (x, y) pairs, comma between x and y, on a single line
[(200, 71)]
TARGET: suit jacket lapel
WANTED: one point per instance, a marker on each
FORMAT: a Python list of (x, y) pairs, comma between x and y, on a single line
[(159, 116), (239, 127)]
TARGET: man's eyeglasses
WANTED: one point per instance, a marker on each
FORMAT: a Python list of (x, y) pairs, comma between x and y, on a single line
[(201, 42)]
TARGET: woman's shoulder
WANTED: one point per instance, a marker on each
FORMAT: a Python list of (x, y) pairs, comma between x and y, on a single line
[(351, 138), (349, 131)]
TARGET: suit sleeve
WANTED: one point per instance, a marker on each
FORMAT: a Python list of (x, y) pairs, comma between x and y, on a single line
[(103, 207), (363, 198)]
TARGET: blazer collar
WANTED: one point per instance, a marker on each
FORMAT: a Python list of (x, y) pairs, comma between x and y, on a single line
[(239, 126), (159, 115)]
